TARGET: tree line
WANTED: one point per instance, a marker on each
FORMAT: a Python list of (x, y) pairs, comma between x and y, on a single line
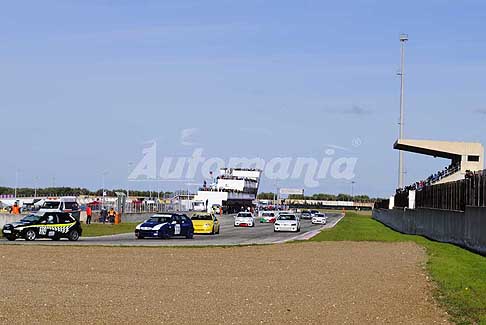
[(320, 196), (76, 191)]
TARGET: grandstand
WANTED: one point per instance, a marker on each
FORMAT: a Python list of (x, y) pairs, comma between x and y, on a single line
[(450, 205), (465, 157), (461, 183)]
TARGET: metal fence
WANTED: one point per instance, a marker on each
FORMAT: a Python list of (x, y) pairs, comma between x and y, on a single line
[(382, 204), (144, 207), (470, 191)]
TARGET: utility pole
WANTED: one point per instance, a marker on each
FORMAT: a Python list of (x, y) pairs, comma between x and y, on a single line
[(103, 189), (403, 40), (128, 179), (16, 181), (36, 181)]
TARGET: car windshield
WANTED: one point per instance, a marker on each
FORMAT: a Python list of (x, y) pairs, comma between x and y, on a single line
[(305, 213), (202, 217), (51, 205), (286, 217), (267, 214), (157, 219), (71, 205), (244, 215), (314, 211), (31, 218)]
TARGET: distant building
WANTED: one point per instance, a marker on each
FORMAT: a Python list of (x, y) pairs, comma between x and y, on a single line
[(233, 189)]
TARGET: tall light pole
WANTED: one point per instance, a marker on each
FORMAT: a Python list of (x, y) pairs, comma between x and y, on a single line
[(103, 189), (128, 179), (403, 39), (352, 190), (36, 181), (16, 181)]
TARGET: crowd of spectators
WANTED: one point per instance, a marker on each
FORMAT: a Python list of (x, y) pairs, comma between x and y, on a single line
[(441, 174), (236, 178), (214, 188)]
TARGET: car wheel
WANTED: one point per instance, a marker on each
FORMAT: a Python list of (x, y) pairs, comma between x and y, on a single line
[(139, 237), (10, 238), (298, 229), (190, 235), (212, 231), (73, 235), (30, 235), (217, 231)]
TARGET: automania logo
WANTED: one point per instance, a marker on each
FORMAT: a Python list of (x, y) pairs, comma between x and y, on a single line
[(197, 167)]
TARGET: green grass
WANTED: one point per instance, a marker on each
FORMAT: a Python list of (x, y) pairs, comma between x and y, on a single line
[(99, 229), (460, 275)]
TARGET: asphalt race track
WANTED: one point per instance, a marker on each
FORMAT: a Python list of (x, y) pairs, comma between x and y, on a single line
[(262, 233)]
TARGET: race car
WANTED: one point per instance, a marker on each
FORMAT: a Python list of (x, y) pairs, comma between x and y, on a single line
[(53, 225), (205, 223), (165, 226), (306, 215), (267, 217), (287, 222), (244, 219), (319, 218)]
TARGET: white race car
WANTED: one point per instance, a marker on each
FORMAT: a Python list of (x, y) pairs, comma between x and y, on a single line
[(287, 222), (319, 219), (244, 219)]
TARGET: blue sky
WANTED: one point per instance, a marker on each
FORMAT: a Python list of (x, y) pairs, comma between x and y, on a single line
[(86, 83)]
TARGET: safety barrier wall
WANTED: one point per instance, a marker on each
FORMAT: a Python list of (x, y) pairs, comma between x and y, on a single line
[(139, 217), (466, 229), (127, 217)]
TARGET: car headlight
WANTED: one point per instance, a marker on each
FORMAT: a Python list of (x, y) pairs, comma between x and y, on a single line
[(138, 226), (206, 225)]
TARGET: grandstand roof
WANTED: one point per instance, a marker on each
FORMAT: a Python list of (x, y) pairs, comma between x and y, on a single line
[(443, 149)]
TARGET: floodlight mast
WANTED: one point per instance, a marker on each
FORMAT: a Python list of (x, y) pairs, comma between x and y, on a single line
[(403, 39)]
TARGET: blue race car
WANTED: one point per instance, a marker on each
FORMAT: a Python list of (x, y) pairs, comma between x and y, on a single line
[(165, 226)]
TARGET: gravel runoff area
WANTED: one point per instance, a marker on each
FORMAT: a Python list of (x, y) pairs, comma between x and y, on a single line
[(304, 283)]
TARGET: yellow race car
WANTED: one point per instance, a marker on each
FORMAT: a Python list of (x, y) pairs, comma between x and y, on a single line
[(205, 223)]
